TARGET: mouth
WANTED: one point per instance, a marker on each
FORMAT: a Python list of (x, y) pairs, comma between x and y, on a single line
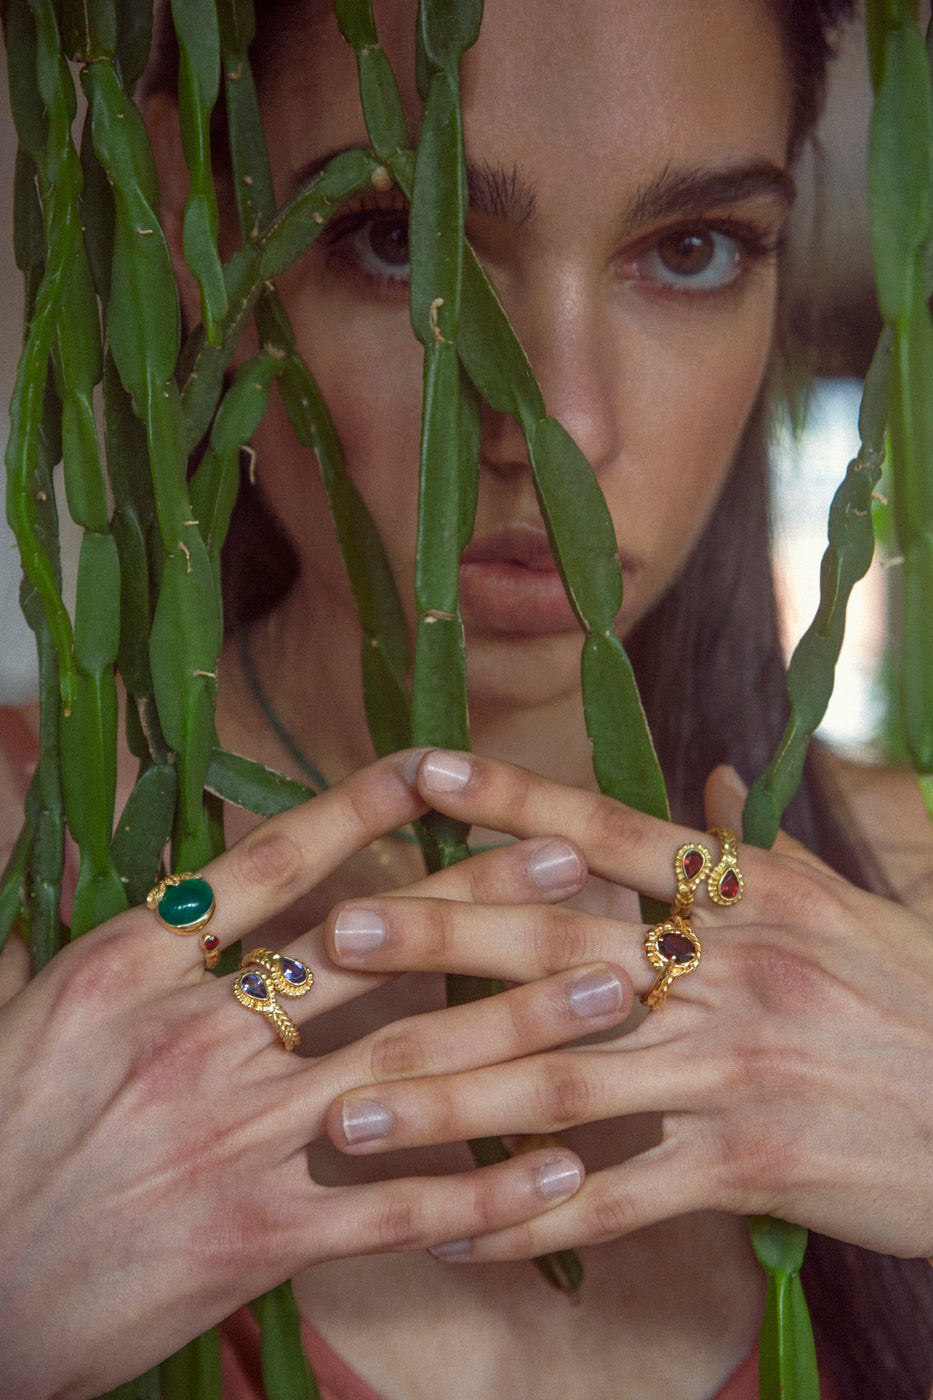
[(509, 583)]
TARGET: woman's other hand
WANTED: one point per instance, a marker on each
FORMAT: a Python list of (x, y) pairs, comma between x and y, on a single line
[(153, 1131), (792, 1071)]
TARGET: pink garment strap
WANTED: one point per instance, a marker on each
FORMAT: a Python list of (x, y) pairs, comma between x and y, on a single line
[(243, 1372)]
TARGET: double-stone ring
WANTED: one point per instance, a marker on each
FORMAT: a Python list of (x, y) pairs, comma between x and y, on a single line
[(270, 974), (672, 947)]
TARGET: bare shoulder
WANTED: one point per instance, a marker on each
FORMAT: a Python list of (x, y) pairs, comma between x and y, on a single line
[(18, 753), (883, 810)]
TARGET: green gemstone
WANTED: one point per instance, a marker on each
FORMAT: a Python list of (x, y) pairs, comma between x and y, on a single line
[(187, 905)]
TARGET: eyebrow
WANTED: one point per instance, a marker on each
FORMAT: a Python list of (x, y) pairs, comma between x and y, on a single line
[(493, 190), (503, 193), (684, 192)]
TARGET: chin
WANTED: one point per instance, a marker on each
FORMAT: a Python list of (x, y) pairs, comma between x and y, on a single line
[(515, 674)]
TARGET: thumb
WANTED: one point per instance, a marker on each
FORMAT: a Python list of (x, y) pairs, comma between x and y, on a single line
[(724, 797)]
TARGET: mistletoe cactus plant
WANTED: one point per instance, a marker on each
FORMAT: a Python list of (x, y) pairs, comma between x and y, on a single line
[(101, 320)]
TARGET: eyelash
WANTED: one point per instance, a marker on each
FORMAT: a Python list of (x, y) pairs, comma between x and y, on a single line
[(365, 213), (753, 247)]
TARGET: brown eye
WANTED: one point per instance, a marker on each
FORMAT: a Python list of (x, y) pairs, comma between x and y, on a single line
[(694, 259), (388, 241), (687, 254)]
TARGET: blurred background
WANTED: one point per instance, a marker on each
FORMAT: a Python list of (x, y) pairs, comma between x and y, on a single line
[(831, 312)]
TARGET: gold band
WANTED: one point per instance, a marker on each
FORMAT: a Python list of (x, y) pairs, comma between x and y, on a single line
[(674, 949), (184, 903), (691, 865), (724, 883)]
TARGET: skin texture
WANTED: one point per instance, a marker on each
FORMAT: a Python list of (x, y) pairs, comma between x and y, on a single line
[(154, 1138)]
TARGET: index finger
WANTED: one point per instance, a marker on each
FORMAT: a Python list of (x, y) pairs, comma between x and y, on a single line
[(285, 857), (619, 843)]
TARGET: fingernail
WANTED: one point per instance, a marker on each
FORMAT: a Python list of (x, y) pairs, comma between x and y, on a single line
[(596, 994), (364, 1120), (555, 866), (454, 1249), (358, 931), (445, 772), (559, 1178)]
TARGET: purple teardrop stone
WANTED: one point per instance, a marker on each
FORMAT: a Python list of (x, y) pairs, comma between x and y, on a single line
[(294, 972), (254, 986)]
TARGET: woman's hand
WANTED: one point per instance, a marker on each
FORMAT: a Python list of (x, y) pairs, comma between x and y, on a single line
[(153, 1131), (792, 1070)]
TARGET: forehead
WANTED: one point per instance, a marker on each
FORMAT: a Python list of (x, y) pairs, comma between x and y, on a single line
[(636, 82)]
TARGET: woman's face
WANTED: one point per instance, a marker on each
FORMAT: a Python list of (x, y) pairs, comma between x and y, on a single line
[(628, 193)]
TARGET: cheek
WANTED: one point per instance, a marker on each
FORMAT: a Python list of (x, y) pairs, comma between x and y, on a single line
[(368, 367), (684, 423)]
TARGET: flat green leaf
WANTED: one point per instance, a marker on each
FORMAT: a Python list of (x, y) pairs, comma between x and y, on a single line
[(249, 785), (438, 708), (579, 525), (900, 167), (285, 1372), (143, 830), (97, 613), (624, 760)]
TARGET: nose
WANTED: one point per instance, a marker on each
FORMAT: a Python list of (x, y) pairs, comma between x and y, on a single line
[(567, 337)]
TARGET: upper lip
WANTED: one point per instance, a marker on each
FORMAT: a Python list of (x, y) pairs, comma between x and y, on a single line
[(527, 545), (519, 543)]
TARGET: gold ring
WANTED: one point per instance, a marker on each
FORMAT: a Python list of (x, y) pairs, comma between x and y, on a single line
[(691, 865), (674, 949), (185, 904), (256, 988), (724, 883), (289, 976)]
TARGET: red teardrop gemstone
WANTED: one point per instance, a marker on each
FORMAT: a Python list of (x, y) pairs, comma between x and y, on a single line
[(693, 864), (209, 942), (729, 885)]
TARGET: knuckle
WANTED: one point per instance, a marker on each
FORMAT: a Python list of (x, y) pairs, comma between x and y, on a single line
[(397, 1053), (781, 978), (436, 929), (270, 860), (564, 1093), (809, 897), (559, 941), (756, 1166), (398, 1224), (92, 978), (610, 827), (608, 1214)]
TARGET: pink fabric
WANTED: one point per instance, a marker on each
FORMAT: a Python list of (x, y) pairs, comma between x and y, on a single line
[(243, 1373)]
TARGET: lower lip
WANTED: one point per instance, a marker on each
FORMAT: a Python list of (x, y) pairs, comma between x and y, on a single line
[(499, 596)]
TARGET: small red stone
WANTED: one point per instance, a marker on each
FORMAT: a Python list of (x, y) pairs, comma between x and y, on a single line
[(209, 942), (693, 864), (729, 885)]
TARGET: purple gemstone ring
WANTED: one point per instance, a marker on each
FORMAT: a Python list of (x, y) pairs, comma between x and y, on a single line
[(289, 977), (270, 973)]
